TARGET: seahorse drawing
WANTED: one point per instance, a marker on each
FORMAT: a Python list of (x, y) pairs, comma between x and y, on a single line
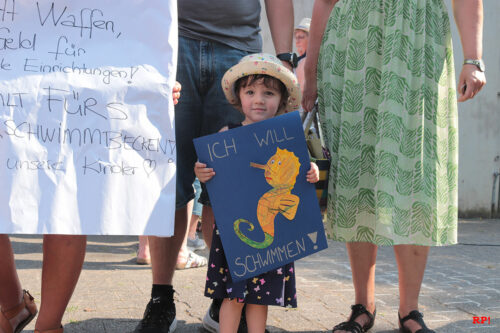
[(280, 172)]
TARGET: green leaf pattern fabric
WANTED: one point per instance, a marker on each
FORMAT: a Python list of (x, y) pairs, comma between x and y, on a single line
[(388, 110)]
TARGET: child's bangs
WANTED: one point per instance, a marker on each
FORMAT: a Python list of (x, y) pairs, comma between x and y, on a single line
[(267, 80)]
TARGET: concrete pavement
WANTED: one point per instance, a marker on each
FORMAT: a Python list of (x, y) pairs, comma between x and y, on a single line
[(461, 282)]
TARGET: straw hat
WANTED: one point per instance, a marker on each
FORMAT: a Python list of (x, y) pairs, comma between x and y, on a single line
[(304, 24), (262, 63)]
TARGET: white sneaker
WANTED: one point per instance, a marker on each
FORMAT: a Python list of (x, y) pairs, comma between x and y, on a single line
[(211, 318)]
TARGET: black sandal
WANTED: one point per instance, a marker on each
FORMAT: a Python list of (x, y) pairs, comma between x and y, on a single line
[(416, 316), (351, 325)]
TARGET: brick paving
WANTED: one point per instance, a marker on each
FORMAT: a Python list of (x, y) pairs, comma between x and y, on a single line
[(461, 282)]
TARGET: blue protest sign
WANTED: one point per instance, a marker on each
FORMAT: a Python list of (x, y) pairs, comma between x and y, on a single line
[(266, 212)]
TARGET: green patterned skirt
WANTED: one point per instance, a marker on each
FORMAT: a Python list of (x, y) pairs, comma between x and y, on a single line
[(387, 103)]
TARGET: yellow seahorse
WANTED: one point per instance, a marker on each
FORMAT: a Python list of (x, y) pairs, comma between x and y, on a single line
[(280, 172)]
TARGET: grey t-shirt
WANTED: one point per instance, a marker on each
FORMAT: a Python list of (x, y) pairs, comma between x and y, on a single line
[(231, 22)]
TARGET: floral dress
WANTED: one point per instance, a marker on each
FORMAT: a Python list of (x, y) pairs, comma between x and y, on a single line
[(387, 104), (276, 287)]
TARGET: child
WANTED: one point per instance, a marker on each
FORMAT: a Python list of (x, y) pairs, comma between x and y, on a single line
[(261, 88)]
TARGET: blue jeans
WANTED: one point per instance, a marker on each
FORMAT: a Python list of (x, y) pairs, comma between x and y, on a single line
[(197, 207), (203, 108)]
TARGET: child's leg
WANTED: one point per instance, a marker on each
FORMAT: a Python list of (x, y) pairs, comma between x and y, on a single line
[(256, 318), (207, 224), (229, 316)]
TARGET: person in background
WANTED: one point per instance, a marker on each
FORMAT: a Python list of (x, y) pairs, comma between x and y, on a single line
[(213, 36), (384, 76), (143, 256), (186, 257), (194, 242), (301, 35)]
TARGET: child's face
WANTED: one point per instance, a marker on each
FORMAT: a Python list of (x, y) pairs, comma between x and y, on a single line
[(259, 102)]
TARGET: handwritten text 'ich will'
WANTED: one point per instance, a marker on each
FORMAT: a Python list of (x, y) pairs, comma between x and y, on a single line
[(222, 149)]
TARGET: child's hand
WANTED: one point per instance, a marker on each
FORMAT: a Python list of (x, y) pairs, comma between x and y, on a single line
[(203, 173), (313, 173), (176, 92)]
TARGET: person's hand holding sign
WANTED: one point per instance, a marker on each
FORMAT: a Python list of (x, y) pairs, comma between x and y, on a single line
[(176, 92), (203, 173), (313, 174)]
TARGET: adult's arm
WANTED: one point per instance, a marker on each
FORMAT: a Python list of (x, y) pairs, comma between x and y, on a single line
[(280, 17), (320, 15), (469, 19), (299, 72)]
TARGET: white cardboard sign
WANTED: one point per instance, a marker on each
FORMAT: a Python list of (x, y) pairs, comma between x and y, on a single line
[(87, 141)]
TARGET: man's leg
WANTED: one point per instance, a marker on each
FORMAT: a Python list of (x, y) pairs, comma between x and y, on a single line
[(164, 251), (160, 311)]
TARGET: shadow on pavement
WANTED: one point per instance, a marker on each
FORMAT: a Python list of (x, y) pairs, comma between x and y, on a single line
[(117, 247), (92, 238), (99, 265), (120, 325)]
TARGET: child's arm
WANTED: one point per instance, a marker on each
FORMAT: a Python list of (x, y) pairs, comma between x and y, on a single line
[(313, 173), (203, 173)]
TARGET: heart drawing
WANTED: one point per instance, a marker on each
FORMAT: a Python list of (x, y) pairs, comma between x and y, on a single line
[(149, 166)]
